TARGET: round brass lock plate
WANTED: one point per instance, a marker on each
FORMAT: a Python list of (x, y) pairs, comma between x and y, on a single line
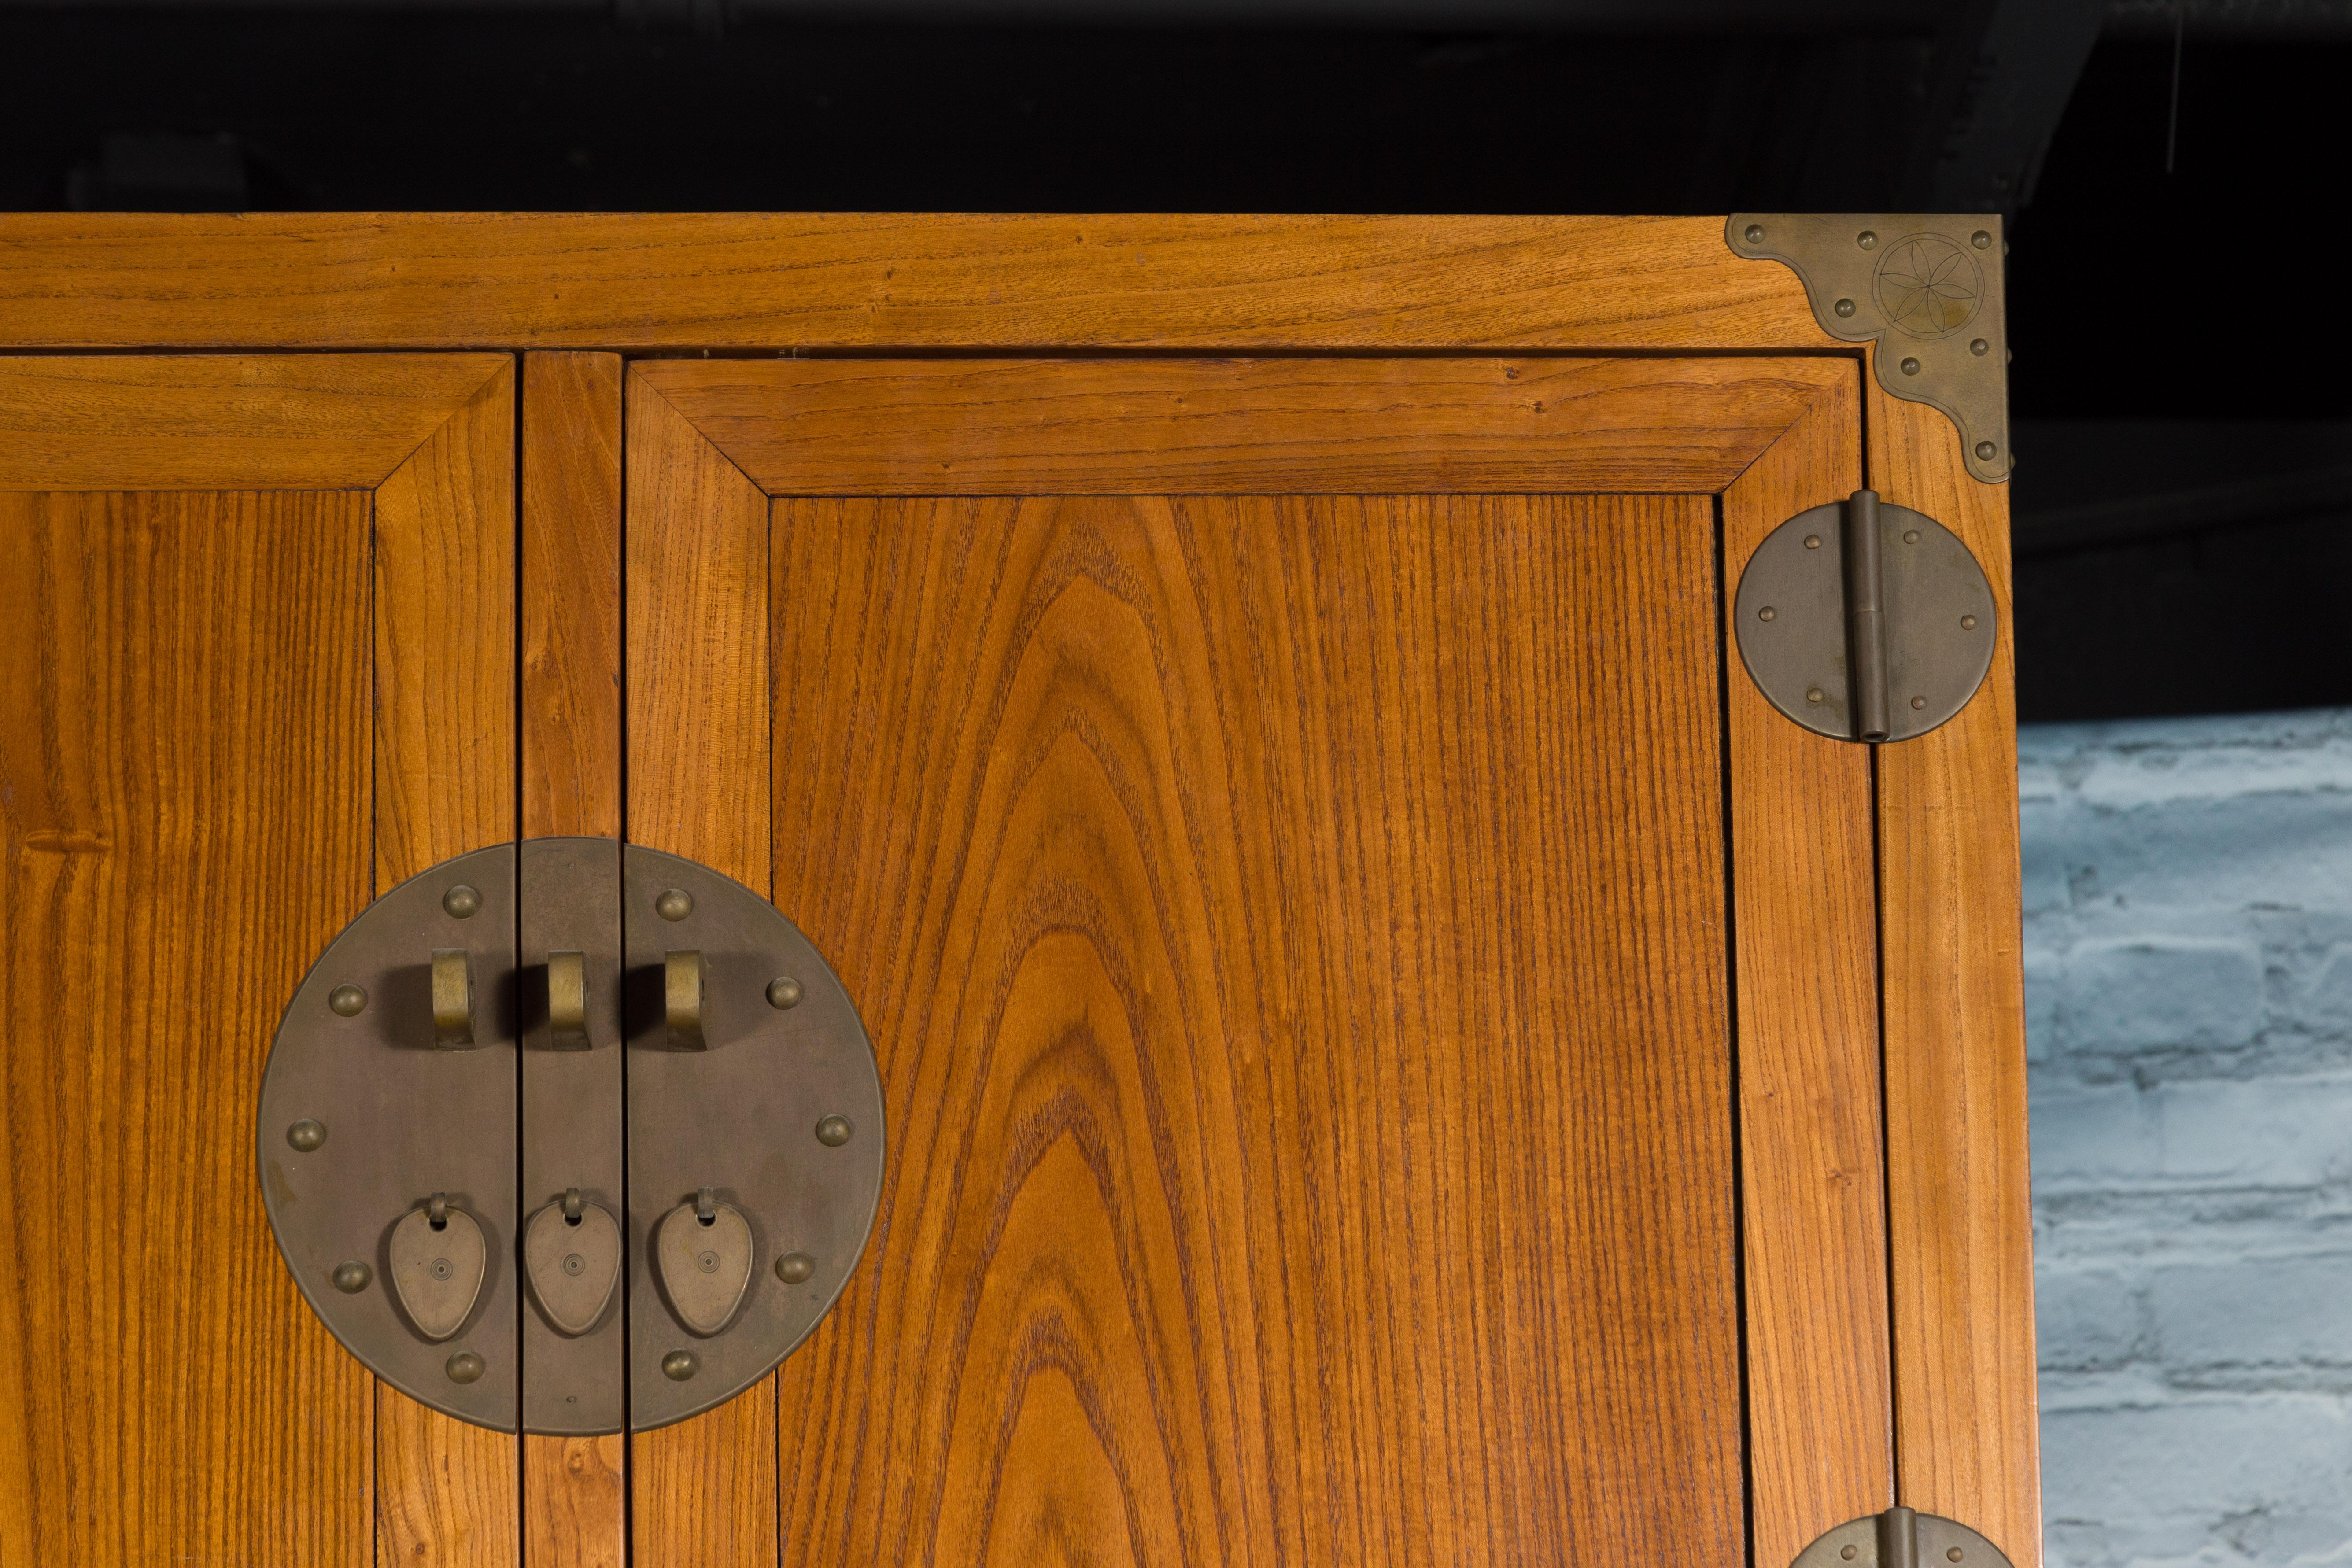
[(1789, 621)]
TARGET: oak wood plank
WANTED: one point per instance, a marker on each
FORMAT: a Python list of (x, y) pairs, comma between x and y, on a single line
[(1812, 1170), (886, 281), (1065, 427), (570, 594), (1960, 1210), (183, 795), (702, 1491), (574, 1489), (444, 784), (1292, 929), (225, 421)]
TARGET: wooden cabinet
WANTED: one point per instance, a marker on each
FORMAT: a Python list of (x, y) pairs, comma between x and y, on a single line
[(1393, 1051)]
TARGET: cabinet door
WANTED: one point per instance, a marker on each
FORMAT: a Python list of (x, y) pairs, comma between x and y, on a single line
[(259, 666), (1347, 954)]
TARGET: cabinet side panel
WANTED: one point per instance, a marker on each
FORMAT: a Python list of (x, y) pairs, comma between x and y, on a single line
[(1960, 1207)]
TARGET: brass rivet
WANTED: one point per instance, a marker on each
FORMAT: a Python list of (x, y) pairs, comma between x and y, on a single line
[(462, 901), (833, 1131), (679, 1365), (1980, 239), (1953, 1556), (673, 904), (306, 1135), (793, 1267), (1812, 694), (1767, 612), (1910, 367), (1812, 542), (441, 1269), (1978, 347), (1844, 307), (1755, 232), (1867, 240), (707, 1262), (1918, 702), (347, 1000), (1847, 1554), (574, 1265), (1967, 623), (465, 1367), (352, 1277), (785, 991), (1910, 536), (1985, 449)]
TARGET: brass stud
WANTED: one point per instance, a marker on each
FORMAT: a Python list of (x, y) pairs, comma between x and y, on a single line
[(465, 1367), (1847, 1554), (1981, 240), (673, 904), (1812, 694), (462, 901), (1978, 347), (1910, 367), (1812, 542), (794, 1268), (679, 1365), (1952, 1554), (1967, 623), (351, 1277), (1918, 702), (1767, 612), (1754, 233), (1844, 307), (306, 1135), (1985, 449), (833, 1131), (346, 1001), (784, 992), (1910, 536), (1867, 240)]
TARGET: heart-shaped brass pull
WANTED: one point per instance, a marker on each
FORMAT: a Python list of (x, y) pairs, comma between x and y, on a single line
[(439, 1259), (703, 1250), (572, 1250)]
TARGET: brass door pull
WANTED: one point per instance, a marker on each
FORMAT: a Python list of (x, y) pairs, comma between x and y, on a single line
[(704, 1251), (567, 1001), (682, 975), (572, 1251), (439, 1259), (453, 999)]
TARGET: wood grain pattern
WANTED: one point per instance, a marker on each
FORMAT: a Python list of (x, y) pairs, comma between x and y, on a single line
[(225, 421), (444, 784), (570, 594), (703, 1492), (1812, 1169), (574, 1489), (1293, 931), (1066, 426), (1959, 1201), (184, 721), (887, 280), (575, 1501)]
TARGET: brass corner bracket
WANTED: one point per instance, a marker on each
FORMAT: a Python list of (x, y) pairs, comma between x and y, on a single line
[(1926, 288)]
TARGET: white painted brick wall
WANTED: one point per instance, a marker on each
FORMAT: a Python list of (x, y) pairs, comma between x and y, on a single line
[(2189, 993)]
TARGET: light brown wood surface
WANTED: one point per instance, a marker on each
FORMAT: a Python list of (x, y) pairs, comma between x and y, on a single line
[(1293, 929), (702, 1492), (574, 1489), (217, 764), (1813, 1175), (1127, 427), (1960, 1204), (225, 421), (185, 718), (887, 280)]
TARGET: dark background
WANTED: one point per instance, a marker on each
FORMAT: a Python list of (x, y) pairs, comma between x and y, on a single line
[(2183, 414)]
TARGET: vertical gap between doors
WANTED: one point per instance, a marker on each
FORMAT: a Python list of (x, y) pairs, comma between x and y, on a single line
[(1724, 654)]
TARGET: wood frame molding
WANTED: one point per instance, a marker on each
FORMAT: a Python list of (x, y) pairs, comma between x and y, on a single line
[(432, 438), (1963, 1397)]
